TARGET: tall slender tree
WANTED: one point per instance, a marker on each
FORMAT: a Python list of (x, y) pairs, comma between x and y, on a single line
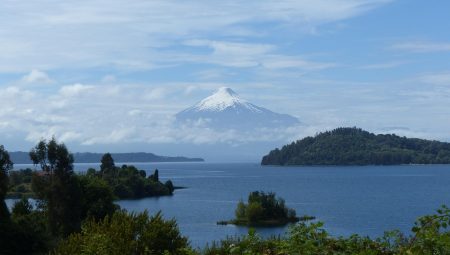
[(107, 162), (107, 167)]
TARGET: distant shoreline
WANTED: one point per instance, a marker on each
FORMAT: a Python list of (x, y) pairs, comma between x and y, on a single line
[(20, 157), (429, 164)]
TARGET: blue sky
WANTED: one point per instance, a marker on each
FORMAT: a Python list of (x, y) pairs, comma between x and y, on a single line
[(109, 75)]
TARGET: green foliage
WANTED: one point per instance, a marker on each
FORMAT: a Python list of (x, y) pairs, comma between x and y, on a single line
[(169, 186), (353, 146), (66, 199), (107, 162), (91, 172), (26, 233), (250, 244), (263, 209), (5, 165), (240, 211), (430, 236), (127, 233), (20, 184), (127, 182), (20, 177), (97, 198), (108, 169), (254, 213), (155, 176), (21, 208), (57, 186)]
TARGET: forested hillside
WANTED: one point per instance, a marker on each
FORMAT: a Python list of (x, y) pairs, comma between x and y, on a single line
[(354, 146)]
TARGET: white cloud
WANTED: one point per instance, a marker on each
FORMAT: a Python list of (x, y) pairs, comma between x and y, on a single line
[(280, 62), (36, 76), (117, 135), (245, 55), (70, 136), (99, 114), (74, 90), (156, 93), (102, 114), (229, 54), (130, 35)]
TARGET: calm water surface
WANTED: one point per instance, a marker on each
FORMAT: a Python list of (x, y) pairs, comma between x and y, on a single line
[(364, 200)]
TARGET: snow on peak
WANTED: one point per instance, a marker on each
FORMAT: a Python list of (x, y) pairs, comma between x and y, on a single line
[(222, 99), (226, 91), (224, 109)]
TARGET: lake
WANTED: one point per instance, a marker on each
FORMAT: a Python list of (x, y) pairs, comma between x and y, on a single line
[(364, 200)]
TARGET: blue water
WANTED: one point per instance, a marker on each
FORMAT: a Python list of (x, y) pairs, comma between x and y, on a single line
[(365, 200)]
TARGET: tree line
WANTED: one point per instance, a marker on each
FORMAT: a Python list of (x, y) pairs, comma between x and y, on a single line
[(126, 182)]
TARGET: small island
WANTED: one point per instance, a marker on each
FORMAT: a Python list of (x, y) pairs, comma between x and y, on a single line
[(263, 210), (354, 146)]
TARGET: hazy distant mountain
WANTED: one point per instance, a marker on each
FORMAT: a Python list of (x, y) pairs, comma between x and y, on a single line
[(225, 109), (20, 157)]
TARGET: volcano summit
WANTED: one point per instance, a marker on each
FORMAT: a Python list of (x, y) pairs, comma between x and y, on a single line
[(226, 110)]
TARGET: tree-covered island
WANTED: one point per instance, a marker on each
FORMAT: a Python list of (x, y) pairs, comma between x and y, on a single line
[(262, 209), (354, 146)]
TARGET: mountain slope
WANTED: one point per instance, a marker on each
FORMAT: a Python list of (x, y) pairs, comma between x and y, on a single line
[(353, 146), (225, 109)]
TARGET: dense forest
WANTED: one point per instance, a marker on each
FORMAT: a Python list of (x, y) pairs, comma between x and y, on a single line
[(354, 146)]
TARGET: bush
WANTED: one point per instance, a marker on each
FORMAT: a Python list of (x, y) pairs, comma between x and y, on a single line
[(126, 233)]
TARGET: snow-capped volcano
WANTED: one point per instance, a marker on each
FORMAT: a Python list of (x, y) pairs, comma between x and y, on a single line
[(221, 100), (225, 109)]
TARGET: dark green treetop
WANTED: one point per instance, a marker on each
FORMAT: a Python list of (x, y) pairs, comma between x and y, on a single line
[(107, 162)]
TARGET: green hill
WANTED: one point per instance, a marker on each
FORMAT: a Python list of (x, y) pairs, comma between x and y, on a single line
[(354, 146)]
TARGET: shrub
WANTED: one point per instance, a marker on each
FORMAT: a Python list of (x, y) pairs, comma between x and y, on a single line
[(127, 233)]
